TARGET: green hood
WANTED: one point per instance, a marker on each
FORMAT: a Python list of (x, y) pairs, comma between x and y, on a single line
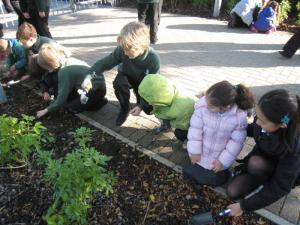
[(157, 90), (168, 103)]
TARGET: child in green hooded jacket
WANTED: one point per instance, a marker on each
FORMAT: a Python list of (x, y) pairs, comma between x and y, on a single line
[(169, 104)]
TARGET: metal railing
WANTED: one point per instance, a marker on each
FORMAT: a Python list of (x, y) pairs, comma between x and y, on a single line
[(58, 7)]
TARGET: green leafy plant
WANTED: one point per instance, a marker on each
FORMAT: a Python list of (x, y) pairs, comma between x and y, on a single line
[(18, 139), (230, 4), (76, 178), (285, 8), (298, 15), (202, 3)]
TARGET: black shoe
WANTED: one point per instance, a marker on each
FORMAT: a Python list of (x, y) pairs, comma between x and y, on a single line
[(75, 111), (164, 127), (99, 105), (285, 55), (121, 118)]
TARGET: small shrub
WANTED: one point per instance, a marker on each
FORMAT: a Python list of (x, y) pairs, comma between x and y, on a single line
[(75, 179), (202, 3), (298, 15), (285, 8), (230, 4), (19, 138)]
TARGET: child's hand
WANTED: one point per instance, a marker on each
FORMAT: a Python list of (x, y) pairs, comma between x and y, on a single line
[(46, 96), (12, 68), (26, 15), (41, 113), (235, 209), (136, 111), (24, 77), (42, 14), (217, 166), (195, 158)]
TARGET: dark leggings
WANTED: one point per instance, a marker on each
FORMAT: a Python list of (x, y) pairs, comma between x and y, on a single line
[(258, 171), (122, 85), (292, 45), (96, 99), (204, 176)]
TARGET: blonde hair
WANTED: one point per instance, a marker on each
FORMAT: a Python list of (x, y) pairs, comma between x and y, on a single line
[(134, 35), (26, 31), (52, 56), (3, 45)]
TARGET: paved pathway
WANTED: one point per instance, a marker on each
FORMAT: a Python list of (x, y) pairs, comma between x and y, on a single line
[(195, 53)]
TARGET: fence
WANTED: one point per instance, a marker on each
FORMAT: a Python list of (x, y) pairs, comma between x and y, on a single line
[(58, 7)]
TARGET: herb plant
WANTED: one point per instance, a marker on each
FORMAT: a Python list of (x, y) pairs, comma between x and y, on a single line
[(75, 179), (18, 139)]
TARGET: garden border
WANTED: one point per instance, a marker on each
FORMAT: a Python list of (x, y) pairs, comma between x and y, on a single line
[(152, 155)]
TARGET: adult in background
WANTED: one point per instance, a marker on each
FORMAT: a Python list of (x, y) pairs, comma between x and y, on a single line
[(37, 12), (148, 12), (293, 44), (14, 6)]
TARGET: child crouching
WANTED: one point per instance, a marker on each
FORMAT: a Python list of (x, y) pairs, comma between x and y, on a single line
[(217, 132)]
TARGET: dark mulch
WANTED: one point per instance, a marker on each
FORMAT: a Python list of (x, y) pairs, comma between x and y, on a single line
[(25, 197)]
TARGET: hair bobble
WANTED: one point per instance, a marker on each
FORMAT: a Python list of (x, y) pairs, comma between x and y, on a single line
[(285, 119)]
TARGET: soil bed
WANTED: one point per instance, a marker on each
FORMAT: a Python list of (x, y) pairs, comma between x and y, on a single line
[(25, 197)]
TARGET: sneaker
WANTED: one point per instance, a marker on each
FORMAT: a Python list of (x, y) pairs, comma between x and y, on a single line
[(184, 145), (253, 29), (285, 55), (164, 127), (121, 118), (273, 29)]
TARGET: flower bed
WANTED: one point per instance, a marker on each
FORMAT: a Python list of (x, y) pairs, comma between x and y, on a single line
[(145, 192)]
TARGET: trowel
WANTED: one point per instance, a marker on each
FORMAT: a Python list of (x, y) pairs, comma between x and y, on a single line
[(207, 218)]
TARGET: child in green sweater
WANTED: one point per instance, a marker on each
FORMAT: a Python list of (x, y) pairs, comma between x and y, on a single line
[(29, 37), (77, 91), (135, 59)]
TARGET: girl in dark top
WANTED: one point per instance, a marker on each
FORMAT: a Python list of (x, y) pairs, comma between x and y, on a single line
[(274, 161)]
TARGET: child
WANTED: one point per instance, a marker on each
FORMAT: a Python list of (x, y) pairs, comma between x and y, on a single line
[(76, 90), (242, 13), (16, 58), (37, 12), (217, 132), (167, 102), (274, 161), (135, 59), (148, 12), (266, 22), (27, 34), (29, 37)]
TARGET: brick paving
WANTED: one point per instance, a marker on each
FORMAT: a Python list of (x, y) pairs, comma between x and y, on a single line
[(195, 53)]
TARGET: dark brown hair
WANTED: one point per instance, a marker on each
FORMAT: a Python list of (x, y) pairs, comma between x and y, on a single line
[(278, 105), (224, 93), (26, 31)]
